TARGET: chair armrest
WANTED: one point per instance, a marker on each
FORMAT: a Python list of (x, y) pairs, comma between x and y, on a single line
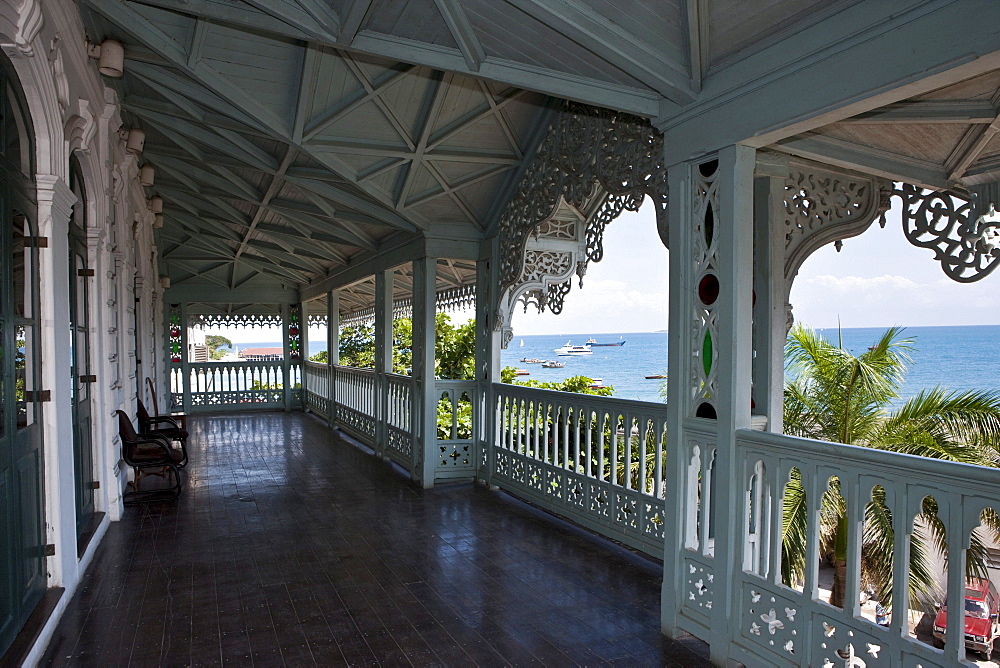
[(155, 439), (162, 418)]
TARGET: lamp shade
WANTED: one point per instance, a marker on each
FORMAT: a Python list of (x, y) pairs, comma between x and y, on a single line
[(111, 62), (146, 175), (158, 221), (136, 140), (156, 204)]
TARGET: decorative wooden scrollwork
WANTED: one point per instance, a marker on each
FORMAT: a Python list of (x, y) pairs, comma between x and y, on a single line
[(590, 157), (964, 233)]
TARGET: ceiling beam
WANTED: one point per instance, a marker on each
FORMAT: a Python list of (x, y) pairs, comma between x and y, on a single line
[(318, 22), (465, 35), (353, 19), (961, 112), (973, 143), (272, 190), (336, 194), (866, 159), (699, 53), (378, 87), (600, 35)]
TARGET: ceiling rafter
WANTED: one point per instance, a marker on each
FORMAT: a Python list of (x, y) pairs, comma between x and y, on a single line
[(272, 190), (453, 194), (973, 143), (369, 87), (430, 109), (500, 117), (382, 85), (352, 20), (699, 54), (307, 83), (382, 150), (335, 194), (465, 35), (297, 16), (464, 182), (614, 44), (332, 213)]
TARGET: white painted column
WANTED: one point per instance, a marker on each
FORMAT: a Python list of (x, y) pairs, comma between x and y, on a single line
[(709, 362), (55, 206), (185, 360), (286, 362), (488, 365), (735, 354), (424, 391), (383, 354), (303, 354), (332, 351)]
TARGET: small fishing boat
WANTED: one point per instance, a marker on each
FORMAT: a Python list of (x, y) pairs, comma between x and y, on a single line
[(657, 375), (553, 364), (570, 349), (531, 360), (522, 372), (593, 342), (597, 384)]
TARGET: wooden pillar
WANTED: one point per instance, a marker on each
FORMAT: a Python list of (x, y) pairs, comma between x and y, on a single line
[(303, 354), (332, 351), (286, 362), (185, 359), (383, 354), (710, 356), (424, 419), (488, 365)]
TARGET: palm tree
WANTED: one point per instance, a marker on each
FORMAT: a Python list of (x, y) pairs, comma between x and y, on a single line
[(836, 396)]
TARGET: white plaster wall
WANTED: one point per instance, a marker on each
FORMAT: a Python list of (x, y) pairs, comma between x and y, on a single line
[(74, 112)]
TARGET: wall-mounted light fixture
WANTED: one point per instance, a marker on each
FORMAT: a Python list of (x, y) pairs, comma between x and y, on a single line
[(135, 139), (158, 221), (146, 175), (164, 282), (110, 57), (155, 204)]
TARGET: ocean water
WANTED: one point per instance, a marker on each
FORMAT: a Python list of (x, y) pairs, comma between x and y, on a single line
[(958, 358)]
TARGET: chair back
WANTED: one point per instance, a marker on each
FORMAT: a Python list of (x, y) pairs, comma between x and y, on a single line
[(125, 429), (152, 395), (141, 413)]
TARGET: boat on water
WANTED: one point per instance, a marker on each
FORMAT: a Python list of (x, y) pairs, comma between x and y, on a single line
[(553, 364), (593, 342), (597, 384), (570, 349), (522, 372), (656, 375), (531, 360)]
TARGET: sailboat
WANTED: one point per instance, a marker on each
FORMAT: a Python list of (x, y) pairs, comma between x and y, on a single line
[(522, 343)]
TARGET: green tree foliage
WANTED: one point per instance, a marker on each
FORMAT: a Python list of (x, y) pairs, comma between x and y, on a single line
[(837, 396), (322, 357), (216, 344)]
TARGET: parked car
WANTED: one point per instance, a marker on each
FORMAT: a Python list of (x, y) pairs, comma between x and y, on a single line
[(981, 602)]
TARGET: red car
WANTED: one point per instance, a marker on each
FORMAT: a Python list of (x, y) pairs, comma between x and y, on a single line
[(981, 602)]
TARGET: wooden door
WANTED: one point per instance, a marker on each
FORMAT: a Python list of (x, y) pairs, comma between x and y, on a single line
[(22, 518)]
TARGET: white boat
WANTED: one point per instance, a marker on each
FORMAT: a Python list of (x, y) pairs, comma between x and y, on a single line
[(552, 364), (570, 349)]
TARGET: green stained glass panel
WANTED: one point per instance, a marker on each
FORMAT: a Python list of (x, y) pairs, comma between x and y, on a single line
[(706, 353)]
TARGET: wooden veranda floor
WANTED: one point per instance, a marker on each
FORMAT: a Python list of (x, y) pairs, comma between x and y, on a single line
[(290, 546)]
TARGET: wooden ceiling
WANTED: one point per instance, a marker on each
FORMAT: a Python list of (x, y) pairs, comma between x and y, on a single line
[(295, 139)]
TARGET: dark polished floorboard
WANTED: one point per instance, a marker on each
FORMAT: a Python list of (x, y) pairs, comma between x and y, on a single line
[(291, 547)]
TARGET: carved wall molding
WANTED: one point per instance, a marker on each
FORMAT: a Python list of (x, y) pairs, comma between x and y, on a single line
[(80, 128), (26, 22), (592, 160), (963, 231)]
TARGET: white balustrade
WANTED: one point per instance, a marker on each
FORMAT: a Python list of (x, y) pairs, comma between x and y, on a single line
[(318, 385), (356, 400), (399, 418), (795, 625), (236, 385), (455, 448), (597, 460)]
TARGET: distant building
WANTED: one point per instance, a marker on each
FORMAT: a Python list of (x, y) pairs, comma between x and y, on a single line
[(262, 354)]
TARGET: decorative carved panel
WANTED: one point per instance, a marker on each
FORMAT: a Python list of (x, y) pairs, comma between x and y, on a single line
[(593, 160)]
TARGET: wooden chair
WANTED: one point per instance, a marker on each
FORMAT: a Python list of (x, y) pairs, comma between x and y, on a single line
[(180, 418), (148, 453), (164, 426)]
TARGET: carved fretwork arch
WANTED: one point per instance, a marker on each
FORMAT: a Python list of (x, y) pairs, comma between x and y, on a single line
[(595, 162)]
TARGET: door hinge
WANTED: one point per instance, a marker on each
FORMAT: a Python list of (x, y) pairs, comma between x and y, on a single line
[(38, 396), (36, 242), (50, 550), (95, 484), (84, 272), (88, 379)]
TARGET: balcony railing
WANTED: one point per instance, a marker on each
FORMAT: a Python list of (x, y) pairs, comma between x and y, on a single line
[(318, 383), (596, 460), (455, 450), (399, 419), (779, 624), (235, 385), (355, 398)]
